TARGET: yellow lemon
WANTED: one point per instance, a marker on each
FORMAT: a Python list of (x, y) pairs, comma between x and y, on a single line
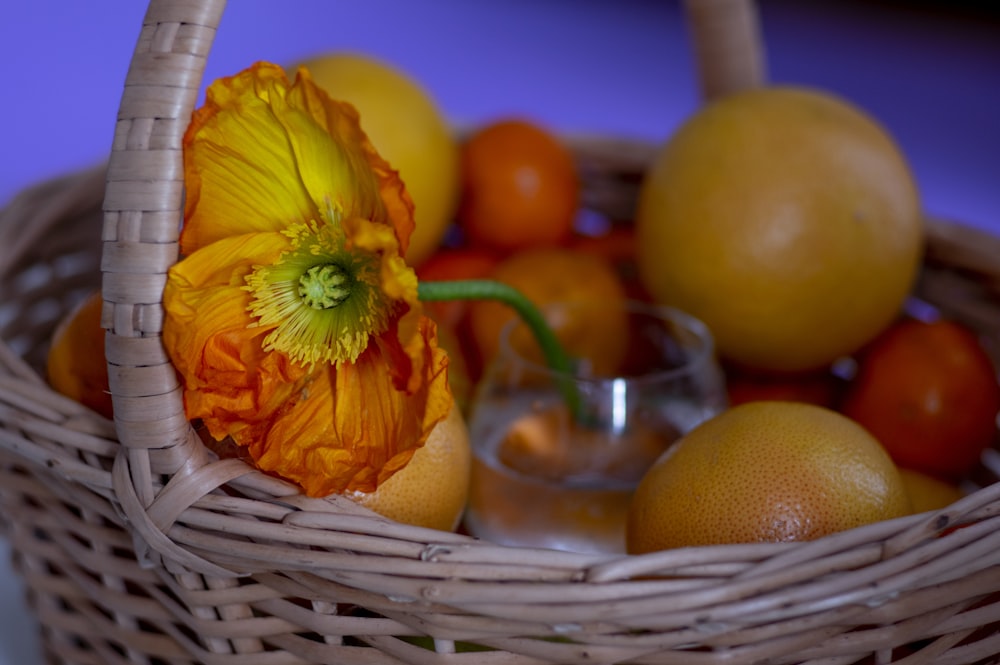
[(927, 492), (787, 220), (408, 129)]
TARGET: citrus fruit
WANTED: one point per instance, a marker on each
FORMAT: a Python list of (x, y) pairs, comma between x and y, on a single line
[(75, 365), (409, 130), (821, 387), (787, 220), (456, 264), (453, 264), (580, 295), (765, 472), (927, 492), (459, 377), (431, 490), (519, 187), (929, 392), (617, 245)]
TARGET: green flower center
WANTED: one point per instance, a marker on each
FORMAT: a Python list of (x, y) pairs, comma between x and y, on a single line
[(322, 301), (325, 286)]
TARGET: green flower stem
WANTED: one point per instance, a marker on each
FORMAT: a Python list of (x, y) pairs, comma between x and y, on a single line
[(486, 289)]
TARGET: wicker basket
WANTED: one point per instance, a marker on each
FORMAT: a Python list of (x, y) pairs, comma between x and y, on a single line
[(136, 546)]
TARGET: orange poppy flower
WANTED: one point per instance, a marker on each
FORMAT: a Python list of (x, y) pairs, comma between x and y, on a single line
[(292, 317)]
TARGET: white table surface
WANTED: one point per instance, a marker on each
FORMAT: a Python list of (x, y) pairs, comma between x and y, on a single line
[(602, 66)]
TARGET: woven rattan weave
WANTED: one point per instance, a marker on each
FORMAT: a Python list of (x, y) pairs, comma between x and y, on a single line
[(137, 546)]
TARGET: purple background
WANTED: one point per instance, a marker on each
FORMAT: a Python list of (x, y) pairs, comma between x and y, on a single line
[(603, 66), (624, 67)]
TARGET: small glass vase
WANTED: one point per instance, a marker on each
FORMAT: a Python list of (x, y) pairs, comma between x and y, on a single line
[(557, 456)]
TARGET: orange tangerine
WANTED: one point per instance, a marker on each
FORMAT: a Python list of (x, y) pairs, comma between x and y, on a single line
[(928, 391), (75, 365), (581, 296), (519, 187), (823, 388)]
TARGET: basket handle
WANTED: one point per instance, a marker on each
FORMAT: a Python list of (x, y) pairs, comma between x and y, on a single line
[(727, 43), (143, 209)]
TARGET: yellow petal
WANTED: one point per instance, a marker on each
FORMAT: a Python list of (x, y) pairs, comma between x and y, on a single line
[(378, 194), (330, 149), (239, 170), (263, 153), (399, 281)]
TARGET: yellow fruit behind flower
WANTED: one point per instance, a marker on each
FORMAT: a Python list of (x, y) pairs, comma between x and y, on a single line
[(765, 472), (432, 489), (459, 379), (408, 129), (928, 493), (787, 220)]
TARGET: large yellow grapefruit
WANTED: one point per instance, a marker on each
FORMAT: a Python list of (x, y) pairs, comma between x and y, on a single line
[(787, 220), (408, 129), (432, 488), (765, 472)]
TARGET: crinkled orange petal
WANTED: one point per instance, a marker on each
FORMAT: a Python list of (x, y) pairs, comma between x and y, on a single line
[(229, 381), (352, 428)]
